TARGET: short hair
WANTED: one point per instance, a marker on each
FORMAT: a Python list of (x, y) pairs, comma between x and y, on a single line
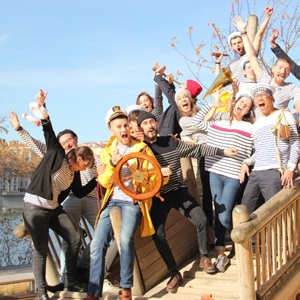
[(288, 60), (67, 131)]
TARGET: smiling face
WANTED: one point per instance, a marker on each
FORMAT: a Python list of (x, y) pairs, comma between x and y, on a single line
[(242, 108), (249, 73), (149, 127), (120, 128), (68, 141), (264, 102), (184, 103), (281, 71), (145, 101), (237, 46)]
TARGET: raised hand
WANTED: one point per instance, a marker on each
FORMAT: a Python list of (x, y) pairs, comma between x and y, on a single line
[(14, 120), (41, 97), (269, 10), (239, 23), (274, 36)]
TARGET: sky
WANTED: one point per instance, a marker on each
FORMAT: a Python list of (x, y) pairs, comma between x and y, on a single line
[(92, 54)]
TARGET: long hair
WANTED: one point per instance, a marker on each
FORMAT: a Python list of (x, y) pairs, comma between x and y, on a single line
[(144, 94), (249, 117), (84, 152)]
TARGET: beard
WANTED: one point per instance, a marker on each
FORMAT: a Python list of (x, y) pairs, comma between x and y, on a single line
[(151, 136)]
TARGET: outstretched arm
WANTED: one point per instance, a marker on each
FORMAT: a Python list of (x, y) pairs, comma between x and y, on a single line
[(250, 51), (295, 69), (37, 146), (261, 30)]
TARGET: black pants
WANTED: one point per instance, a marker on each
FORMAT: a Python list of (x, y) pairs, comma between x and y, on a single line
[(38, 220), (182, 201), (207, 199)]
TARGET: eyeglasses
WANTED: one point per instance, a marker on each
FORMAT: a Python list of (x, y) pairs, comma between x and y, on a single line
[(263, 95), (67, 141)]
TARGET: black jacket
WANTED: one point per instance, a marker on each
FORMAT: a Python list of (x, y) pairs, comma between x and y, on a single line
[(168, 122)]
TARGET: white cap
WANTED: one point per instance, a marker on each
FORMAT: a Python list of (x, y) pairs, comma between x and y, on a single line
[(233, 35), (114, 112), (244, 93), (133, 107), (268, 88)]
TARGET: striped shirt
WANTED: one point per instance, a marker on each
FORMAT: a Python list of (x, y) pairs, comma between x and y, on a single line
[(265, 155), (194, 127), (40, 149), (168, 152), (236, 67), (225, 135), (60, 181), (118, 194)]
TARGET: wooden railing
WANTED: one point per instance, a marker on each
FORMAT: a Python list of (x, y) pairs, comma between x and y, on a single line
[(267, 245)]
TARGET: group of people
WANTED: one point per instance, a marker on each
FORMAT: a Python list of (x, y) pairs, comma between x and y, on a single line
[(245, 155)]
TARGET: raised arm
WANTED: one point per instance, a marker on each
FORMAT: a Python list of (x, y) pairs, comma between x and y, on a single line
[(295, 69), (37, 146), (250, 51), (261, 30)]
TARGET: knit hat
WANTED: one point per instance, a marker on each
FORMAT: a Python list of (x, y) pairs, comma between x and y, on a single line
[(193, 87), (268, 88), (232, 36), (143, 116), (179, 91), (114, 112), (65, 132)]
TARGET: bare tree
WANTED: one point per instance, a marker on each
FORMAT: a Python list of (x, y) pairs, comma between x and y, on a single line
[(284, 18)]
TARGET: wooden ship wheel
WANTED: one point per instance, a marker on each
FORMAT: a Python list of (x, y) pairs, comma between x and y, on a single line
[(140, 178)]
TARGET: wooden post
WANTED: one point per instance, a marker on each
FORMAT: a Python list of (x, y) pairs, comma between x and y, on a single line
[(116, 220), (244, 260), (252, 27), (52, 275)]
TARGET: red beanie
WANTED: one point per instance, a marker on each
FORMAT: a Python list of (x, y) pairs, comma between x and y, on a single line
[(193, 87)]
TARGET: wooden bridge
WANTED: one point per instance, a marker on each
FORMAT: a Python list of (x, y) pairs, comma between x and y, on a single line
[(272, 272)]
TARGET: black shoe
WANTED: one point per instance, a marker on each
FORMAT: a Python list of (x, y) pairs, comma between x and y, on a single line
[(75, 287), (55, 288)]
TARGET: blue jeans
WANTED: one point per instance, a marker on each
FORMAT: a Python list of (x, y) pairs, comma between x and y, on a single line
[(224, 190), (131, 217), (76, 208)]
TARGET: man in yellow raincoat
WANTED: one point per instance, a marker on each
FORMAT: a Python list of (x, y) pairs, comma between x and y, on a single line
[(134, 213)]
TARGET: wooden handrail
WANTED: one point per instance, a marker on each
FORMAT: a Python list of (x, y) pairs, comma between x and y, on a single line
[(266, 213), (272, 231)]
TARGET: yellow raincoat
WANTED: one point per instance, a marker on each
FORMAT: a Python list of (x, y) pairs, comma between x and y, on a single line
[(107, 180)]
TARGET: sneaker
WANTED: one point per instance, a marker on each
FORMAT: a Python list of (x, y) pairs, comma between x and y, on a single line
[(75, 286), (174, 282), (207, 266), (109, 288), (222, 261)]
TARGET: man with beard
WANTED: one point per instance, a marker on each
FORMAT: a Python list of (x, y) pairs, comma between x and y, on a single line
[(236, 43), (168, 152), (285, 91)]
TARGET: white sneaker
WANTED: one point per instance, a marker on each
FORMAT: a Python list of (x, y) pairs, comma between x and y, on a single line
[(109, 288), (221, 263)]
